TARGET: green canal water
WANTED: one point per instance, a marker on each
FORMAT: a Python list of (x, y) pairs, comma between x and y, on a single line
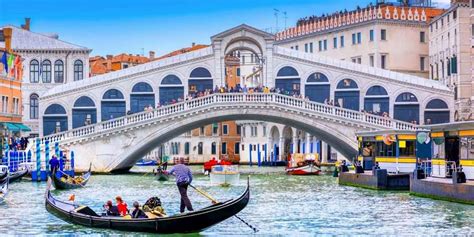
[(280, 205)]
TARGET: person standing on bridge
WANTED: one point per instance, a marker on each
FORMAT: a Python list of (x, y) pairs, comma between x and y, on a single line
[(184, 178)]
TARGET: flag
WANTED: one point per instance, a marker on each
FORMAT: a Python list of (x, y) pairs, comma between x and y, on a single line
[(13, 64), (18, 67), (10, 62), (4, 61)]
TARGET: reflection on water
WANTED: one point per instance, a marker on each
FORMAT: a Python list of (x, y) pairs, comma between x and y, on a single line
[(279, 204)]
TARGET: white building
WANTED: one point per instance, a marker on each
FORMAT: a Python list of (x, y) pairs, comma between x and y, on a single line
[(383, 36), (48, 62), (451, 52)]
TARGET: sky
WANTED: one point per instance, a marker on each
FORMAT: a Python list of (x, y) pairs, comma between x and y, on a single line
[(138, 26)]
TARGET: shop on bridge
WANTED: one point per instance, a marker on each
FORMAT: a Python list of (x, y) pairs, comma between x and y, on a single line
[(317, 87), (171, 89), (288, 80), (113, 105), (200, 80), (347, 94), (407, 108), (141, 97), (436, 112), (376, 100), (84, 112), (54, 119)]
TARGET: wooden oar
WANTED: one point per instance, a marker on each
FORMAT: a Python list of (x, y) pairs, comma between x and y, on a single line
[(214, 201)]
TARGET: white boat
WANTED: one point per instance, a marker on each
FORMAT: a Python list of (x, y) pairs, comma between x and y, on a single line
[(225, 175), (3, 183)]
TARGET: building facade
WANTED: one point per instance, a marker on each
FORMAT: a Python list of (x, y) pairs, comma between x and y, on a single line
[(100, 65), (371, 36), (451, 54), (47, 63)]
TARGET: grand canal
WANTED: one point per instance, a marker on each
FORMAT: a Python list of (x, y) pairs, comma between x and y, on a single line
[(280, 204)]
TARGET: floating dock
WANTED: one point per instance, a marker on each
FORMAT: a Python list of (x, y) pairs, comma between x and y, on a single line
[(378, 180)]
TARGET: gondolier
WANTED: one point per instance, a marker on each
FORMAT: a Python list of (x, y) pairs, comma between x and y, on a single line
[(184, 177)]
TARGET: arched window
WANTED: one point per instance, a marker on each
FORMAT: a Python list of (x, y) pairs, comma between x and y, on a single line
[(141, 97), (347, 95), (78, 70), (112, 105), (288, 80), (58, 71), (199, 80), (407, 108), (436, 111), (34, 108), (54, 119), (200, 148), (171, 89), (186, 148), (34, 71), (84, 112), (317, 87), (46, 71), (376, 100)]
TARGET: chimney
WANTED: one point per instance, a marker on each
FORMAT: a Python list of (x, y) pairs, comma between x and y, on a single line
[(193, 44), (26, 26), (109, 62), (7, 35), (151, 55)]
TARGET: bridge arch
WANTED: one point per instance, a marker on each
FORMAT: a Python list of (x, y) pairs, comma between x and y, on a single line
[(84, 112), (113, 104), (200, 79), (288, 79), (406, 107), (141, 96), (54, 119), (377, 100), (171, 89), (347, 94), (337, 138), (318, 87)]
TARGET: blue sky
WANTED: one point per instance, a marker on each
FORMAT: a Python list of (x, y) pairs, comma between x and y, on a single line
[(133, 26)]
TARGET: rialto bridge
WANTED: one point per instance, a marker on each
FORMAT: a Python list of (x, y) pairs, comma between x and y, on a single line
[(90, 116)]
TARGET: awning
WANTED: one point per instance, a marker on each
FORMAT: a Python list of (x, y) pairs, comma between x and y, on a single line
[(16, 127)]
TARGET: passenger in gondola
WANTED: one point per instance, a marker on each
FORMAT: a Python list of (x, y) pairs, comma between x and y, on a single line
[(137, 212), (121, 206), (54, 164), (111, 210)]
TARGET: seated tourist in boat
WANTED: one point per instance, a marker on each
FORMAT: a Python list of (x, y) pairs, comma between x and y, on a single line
[(121, 206), (137, 212), (110, 209), (153, 206)]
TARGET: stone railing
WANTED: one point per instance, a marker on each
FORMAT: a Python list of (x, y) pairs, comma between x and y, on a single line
[(226, 99)]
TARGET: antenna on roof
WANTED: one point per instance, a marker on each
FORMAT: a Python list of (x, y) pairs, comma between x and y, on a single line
[(276, 11), (143, 51), (286, 17)]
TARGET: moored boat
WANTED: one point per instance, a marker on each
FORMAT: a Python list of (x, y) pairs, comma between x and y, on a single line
[(17, 175), (67, 182), (224, 175), (3, 189), (146, 163), (180, 223), (309, 169)]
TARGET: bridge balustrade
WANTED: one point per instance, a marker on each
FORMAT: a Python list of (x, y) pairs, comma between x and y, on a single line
[(231, 99)]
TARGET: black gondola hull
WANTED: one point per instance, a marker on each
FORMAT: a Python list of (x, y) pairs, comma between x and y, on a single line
[(17, 175), (189, 222)]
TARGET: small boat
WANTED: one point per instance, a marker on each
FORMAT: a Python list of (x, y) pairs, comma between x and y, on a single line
[(161, 176), (180, 223), (3, 189), (17, 175), (146, 163), (309, 169), (3, 172), (225, 175), (65, 183)]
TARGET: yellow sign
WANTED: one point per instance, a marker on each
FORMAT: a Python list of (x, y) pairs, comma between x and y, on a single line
[(402, 144)]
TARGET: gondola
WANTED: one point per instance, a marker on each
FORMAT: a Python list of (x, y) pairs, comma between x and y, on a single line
[(17, 175), (3, 189), (60, 184), (180, 223), (161, 176), (3, 173)]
